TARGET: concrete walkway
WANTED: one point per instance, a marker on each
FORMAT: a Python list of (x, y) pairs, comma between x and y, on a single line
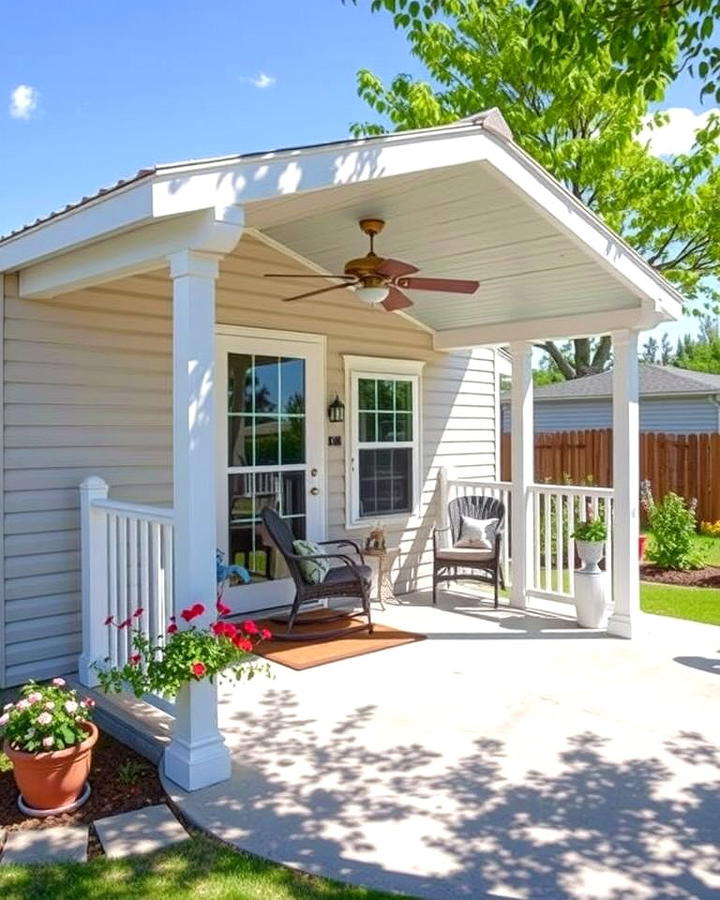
[(510, 755)]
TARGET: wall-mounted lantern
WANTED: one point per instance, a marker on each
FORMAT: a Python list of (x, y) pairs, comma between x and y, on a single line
[(336, 410)]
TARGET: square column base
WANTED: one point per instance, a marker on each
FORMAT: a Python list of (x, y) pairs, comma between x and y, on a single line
[(620, 625), (199, 766)]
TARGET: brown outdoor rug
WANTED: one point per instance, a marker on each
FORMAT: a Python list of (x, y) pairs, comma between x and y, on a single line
[(306, 654)]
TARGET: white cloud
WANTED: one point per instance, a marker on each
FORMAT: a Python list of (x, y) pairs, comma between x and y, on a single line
[(677, 135), (23, 101), (261, 80)]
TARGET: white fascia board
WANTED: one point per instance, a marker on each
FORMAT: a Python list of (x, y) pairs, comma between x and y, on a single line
[(555, 328), (297, 171), (131, 253), (108, 214)]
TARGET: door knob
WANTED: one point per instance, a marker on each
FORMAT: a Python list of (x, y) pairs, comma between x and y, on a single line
[(314, 491)]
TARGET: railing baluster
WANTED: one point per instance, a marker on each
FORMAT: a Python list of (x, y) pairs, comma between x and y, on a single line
[(113, 606), (168, 562), (145, 576), (559, 562)]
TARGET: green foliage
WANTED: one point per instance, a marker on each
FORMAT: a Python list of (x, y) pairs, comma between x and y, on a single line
[(131, 771), (591, 530), (701, 353), (673, 526), (46, 717), (561, 93)]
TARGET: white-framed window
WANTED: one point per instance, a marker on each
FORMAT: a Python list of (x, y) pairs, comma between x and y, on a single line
[(384, 438)]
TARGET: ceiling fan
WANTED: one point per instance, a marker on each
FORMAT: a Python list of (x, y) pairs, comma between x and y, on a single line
[(378, 280)]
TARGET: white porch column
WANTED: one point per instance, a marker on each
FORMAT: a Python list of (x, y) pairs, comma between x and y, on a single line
[(197, 755), (94, 569), (626, 483), (523, 472)]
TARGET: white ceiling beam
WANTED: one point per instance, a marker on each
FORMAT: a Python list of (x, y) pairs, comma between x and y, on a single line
[(141, 250), (555, 328)]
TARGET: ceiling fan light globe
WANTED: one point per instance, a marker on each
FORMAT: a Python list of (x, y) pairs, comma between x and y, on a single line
[(372, 295)]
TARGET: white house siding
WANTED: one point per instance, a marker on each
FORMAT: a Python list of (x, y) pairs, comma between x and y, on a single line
[(88, 391), (672, 415)]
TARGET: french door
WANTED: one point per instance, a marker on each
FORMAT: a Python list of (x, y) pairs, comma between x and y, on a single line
[(270, 415)]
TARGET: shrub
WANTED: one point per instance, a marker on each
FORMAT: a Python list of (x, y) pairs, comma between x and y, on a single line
[(673, 526), (592, 530)]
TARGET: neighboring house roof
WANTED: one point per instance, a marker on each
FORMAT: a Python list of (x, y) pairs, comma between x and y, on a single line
[(654, 381)]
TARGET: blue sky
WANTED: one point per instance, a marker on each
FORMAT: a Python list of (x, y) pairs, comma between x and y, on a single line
[(91, 91)]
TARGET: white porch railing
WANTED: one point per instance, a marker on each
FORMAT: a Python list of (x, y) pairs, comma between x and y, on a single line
[(127, 564), (556, 510)]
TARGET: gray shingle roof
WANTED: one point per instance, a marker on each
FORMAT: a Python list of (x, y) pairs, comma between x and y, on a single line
[(657, 380)]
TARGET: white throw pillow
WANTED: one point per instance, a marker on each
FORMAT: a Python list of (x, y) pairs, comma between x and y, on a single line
[(477, 533)]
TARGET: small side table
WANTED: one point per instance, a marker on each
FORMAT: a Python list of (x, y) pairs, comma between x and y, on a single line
[(385, 559)]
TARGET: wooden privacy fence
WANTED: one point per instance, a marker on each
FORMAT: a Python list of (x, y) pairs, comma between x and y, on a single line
[(688, 464)]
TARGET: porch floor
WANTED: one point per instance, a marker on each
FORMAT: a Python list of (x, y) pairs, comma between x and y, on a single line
[(509, 755)]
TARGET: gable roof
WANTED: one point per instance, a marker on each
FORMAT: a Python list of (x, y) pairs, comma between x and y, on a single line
[(654, 381)]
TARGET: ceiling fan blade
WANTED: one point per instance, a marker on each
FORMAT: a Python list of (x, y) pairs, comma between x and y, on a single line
[(394, 268), (325, 290), (283, 275), (446, 285), (396, 300)]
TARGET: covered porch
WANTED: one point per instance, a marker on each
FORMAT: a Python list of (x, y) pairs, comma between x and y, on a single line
[(462, 200)]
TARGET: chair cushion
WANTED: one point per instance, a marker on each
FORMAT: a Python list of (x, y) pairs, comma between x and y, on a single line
[(313, 571), (464, 554), (338, 574), (478, 533)]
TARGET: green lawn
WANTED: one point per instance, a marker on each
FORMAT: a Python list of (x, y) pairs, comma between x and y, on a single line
[(199, 868), (696, 604)]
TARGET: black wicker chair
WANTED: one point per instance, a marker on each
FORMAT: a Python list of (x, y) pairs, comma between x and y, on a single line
[(469, 563), (349, 579)]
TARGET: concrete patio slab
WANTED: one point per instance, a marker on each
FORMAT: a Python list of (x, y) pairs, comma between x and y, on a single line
[(509, 755), (140, 831), (64, 843)]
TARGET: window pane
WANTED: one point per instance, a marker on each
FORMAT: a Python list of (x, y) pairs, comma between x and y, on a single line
[(292, 439), (266, 441), (386, 391), (240, 497), (367, 427), (366, 393), (386, 427), (293, 494), (403, 427), (240, 441), (292, 385), (239, 382), (385, 481), (403, 395), (266, 384)]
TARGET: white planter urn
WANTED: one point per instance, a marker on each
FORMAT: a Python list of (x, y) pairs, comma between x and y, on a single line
[(590, 553), (591, 592)]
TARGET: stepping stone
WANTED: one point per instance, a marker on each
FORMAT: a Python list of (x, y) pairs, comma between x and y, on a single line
[(140, 831), (65, 843)]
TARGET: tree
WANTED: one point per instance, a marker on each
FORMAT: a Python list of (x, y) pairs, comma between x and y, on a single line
[(658, 354), (571, 117), (702, 353)]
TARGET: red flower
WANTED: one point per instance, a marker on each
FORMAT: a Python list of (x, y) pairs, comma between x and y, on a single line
[(265, 634), (109, 620), (192, 612), (172, 628), (250, 627), (135, 659), (198, 609), (198, 669), (224, 629), (242, 643), (138, 612), (218, 628), (222, 608), (125, 624)]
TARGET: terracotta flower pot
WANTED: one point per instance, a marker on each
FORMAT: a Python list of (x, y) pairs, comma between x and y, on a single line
[(55, 779), (642, 546)]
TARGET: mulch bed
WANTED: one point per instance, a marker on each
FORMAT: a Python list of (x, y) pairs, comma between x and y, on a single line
[(708, 576), (110, 795)]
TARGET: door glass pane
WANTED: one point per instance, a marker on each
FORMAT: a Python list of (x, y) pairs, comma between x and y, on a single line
[(403, 395), (386, 426), (386, 394), (403, 426), (240, 440), (367, 427), (266, 384), (292, 440), (267, 441), (385, 482), (292, 385), (240, 382)]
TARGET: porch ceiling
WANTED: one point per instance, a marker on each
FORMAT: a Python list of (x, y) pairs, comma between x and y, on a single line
[(461, 221)]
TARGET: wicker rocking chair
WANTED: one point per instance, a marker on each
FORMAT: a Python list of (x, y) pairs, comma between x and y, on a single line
[(349, 579)]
